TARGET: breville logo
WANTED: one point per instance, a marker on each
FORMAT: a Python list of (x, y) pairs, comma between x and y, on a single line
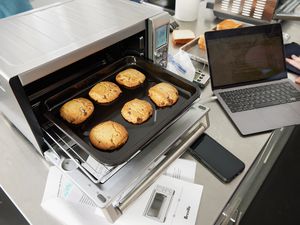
[(187, 212)]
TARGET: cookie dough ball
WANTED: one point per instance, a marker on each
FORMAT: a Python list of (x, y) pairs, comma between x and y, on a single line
[(108, 135), (77, 110), (137, 111), (105, 92), (163, 94), (130, 78)]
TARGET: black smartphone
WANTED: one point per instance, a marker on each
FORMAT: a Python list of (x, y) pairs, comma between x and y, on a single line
[(222, 163)]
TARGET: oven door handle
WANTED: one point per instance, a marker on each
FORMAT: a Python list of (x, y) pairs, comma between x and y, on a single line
[(161, 167)]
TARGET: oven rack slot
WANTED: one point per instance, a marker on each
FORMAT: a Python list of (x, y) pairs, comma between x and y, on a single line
[(95, 171)]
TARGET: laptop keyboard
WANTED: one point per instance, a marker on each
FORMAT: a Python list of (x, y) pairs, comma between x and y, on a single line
[(261, 96)]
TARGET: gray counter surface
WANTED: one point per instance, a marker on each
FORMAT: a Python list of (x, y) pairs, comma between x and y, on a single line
[(23, 172), (216, 194)]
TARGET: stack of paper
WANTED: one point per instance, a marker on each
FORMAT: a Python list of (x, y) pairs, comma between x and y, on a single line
[(172, 199)]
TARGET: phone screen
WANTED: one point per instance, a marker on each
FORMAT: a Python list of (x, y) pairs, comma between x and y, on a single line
[(223, 164)]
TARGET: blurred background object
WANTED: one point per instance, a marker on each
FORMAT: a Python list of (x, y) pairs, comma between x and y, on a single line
[(167, 5), (288, 10), (186, 10), (256, 11)]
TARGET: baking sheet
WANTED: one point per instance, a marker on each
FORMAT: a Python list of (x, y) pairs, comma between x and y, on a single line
[(139, 135), (195, 52)]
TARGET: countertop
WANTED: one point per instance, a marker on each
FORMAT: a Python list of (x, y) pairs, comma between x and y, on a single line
[(216, 194), (23, 171)]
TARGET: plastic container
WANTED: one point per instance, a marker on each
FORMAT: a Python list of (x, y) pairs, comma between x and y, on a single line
[(186, 10)]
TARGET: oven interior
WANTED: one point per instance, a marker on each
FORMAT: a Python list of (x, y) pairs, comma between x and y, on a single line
[(42, 89), (48, 85)]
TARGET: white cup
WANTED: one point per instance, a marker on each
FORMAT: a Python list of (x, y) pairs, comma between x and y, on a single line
[(186, 10)]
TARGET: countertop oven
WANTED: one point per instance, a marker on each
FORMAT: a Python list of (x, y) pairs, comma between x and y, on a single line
[(53, 54)]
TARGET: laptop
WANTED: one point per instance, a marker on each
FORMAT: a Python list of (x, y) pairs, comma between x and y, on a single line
[(249, 77)]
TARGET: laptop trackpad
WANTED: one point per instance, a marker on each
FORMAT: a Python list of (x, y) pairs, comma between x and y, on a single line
[(268, 118), (249, 122), (282, 115)]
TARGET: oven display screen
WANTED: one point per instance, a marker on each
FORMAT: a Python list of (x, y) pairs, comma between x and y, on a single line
[(161, 36)]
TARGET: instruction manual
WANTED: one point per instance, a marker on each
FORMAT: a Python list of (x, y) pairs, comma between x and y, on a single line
[(173, 199)]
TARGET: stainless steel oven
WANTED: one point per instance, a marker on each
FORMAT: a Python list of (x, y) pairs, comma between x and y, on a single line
[(52, 54)]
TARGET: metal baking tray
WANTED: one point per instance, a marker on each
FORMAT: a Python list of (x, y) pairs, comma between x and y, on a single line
[(200, 55), (139, 135), (195, 53)]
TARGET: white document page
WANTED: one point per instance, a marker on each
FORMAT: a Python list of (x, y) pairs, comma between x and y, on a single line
[(182, 210), (64, 200)]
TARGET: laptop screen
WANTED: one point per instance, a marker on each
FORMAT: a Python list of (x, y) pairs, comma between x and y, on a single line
[(245, 55)]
